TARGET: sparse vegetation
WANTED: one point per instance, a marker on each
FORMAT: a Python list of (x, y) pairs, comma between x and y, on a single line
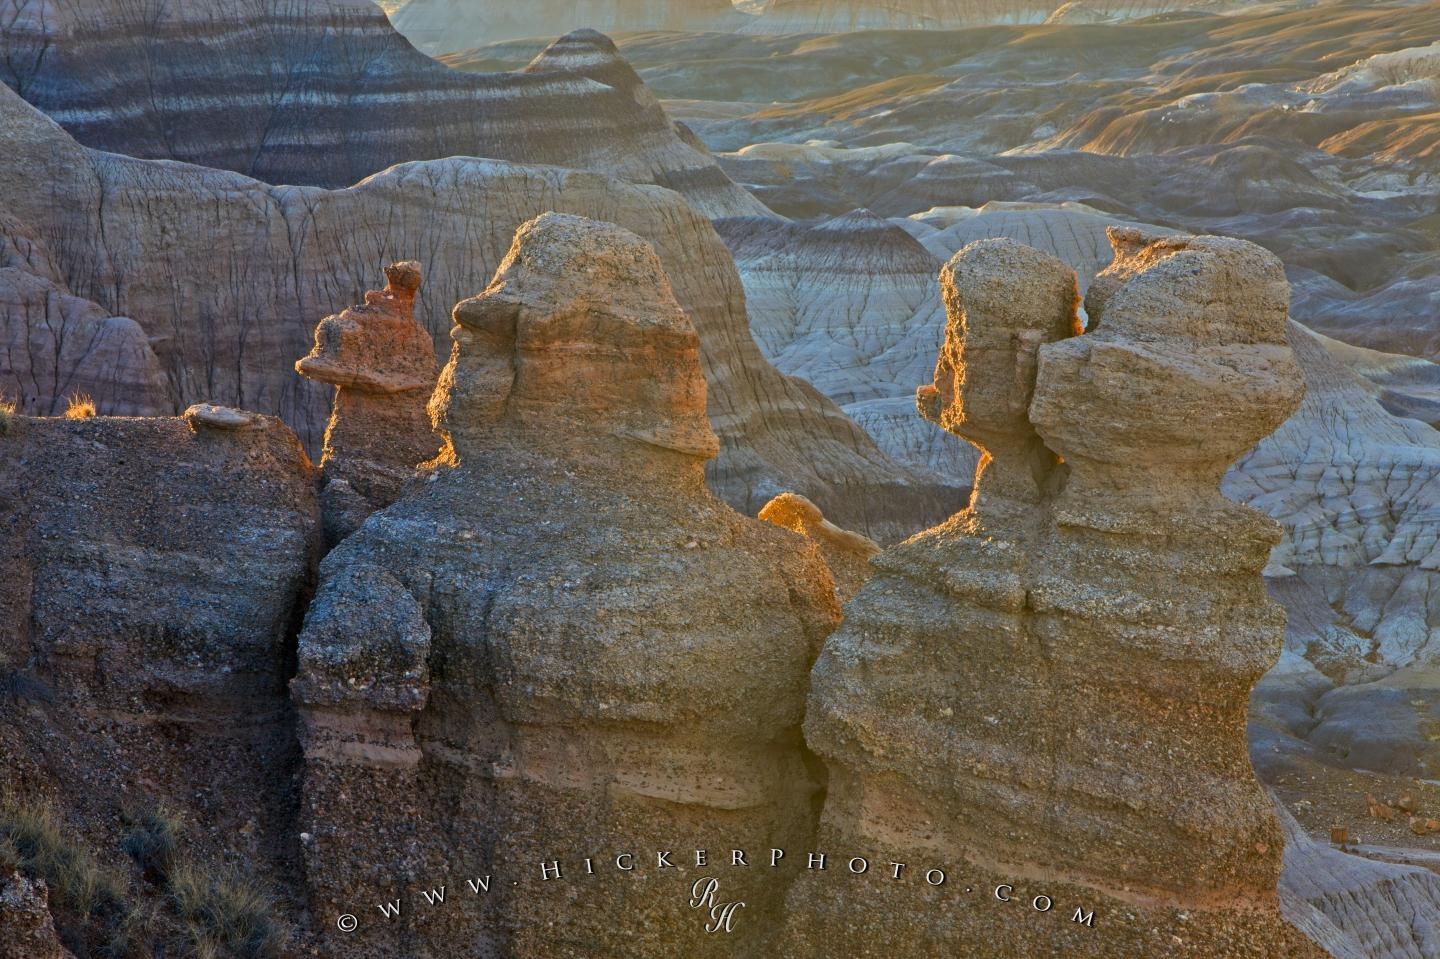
[(80, 407), (43, 848), (225, 909), (153, 840), (203, 913), (7, 415)]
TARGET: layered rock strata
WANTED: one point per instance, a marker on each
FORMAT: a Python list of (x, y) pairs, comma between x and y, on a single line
[(1045, 697), (140, 239), (438, 26), (382, 365), (852, 306), (54, 345), (325, 93), (560, 646), (839, 16)]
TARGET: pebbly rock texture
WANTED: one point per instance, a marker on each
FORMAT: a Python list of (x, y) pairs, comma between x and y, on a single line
[(1049, 691), (438, 26), (151, 572), (560, 645), (847, 554), (27, 930), (382, 365), (325, 92), (227, 309)]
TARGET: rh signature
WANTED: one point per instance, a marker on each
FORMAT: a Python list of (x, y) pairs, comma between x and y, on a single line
[(722, 914)]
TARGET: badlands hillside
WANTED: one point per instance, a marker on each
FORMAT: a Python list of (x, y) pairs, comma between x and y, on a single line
[(998, 438)]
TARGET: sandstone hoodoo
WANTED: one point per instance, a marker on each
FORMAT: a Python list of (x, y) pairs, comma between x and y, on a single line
[(382, 365), (852, 306), (560, 646), (1046, 696)]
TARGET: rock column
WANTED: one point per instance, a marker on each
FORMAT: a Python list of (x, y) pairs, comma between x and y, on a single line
[(1039, 707), (382, 364)]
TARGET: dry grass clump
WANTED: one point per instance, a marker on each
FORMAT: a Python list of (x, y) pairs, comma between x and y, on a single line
[(8, 410), (200, 912), (226, 911), (153, 839), (80, 407), (38, 844)]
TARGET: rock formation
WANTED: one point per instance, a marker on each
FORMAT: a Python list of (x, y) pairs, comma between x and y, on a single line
[(1357, 908), (853, 307), (28, 931), (1352, 706), (439, 26), (54, 345), (150, 572), (228, 309), (1072, 232), (1046, 696), (560, 646), (382, 365), (837, 16), (1354, 488), (847, 554), (1115, 11), (325, 93)]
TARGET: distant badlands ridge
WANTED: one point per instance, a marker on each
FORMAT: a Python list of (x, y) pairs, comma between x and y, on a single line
[(438, 26)]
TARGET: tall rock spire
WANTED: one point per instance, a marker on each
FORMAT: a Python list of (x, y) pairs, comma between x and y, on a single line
[(1039, 707), (382, 365)]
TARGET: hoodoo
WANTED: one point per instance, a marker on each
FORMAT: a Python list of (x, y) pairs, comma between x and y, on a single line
[(1047, 694), (382, 365), (561, 647)]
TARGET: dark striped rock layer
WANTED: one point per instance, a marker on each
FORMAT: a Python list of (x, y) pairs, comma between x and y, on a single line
[(325, 92)]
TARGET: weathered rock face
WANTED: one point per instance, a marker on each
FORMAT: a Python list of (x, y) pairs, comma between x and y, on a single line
[(150, 575), (325, 92), (54, 345), (382, 365), (847, 554), (853, 307), (1049, 691), (1350, 709), (1357, 908), (438, 26), (140, 238), (560, 646), (28, 931)]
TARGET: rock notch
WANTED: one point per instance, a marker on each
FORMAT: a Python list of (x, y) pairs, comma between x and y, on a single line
[(382, 365), (561, 645), (847, 554), (1046, 696)]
